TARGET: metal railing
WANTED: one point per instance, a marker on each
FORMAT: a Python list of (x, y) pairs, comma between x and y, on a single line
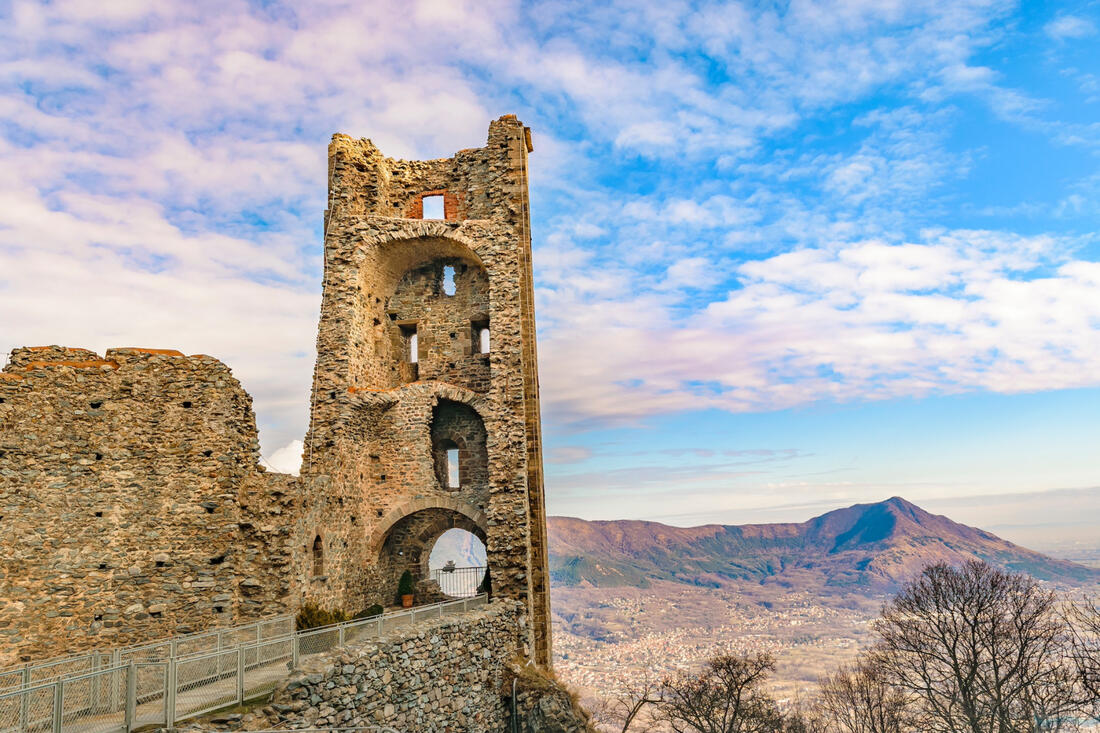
[(460, 582), (163, 692), (200, 641)]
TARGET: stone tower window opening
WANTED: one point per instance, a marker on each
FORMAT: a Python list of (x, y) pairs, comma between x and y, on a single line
[(459, 446), (479, 336), (318, 556), (448, 283), (454, 473), (433, 207), (412, 342)]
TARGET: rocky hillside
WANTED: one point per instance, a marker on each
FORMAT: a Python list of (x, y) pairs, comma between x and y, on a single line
[(870, 546)]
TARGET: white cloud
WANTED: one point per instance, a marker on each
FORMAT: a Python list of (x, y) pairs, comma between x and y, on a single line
[(857, 320), (1070, 26), (287, 459)]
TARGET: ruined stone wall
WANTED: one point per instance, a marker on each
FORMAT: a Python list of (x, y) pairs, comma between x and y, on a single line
[(132, 505), (442, 674), (120, 486), (373, 410), (449, 674)]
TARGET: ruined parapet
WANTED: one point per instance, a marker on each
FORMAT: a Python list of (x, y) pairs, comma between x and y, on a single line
[(119, 491), (426, 344)]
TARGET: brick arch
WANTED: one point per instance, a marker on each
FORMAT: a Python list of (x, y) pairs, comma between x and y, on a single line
[(413, 231), (401, 307), (477, 402), (435, 390), (446, 503)]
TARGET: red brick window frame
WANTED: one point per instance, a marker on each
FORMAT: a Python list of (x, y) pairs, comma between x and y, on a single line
[(451, 203)]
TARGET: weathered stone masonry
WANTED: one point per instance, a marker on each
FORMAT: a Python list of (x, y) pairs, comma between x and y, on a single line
[(382, 415), (131, 500), (122, 495), (442, 674)]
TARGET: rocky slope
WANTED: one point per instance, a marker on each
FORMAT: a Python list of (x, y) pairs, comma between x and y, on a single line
[(867, 546)]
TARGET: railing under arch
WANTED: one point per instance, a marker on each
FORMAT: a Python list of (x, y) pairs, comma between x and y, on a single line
[(460, 582)]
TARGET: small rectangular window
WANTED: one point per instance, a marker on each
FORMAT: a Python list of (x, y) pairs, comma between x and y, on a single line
[(433, 207), (452, 468), (449, 287), (479, 336)]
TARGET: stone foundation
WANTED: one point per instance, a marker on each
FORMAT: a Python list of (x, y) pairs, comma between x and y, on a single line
[(450, 674)]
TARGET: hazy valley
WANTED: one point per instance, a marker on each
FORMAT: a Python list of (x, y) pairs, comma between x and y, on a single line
[(634, 598)]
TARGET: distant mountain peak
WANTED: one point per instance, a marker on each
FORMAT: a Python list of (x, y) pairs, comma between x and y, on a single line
[(878, 546)]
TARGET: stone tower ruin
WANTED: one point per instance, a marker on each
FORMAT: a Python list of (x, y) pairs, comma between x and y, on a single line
[(132, 502), (426, 346)]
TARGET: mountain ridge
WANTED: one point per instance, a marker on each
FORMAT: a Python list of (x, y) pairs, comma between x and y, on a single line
[(878, 546)]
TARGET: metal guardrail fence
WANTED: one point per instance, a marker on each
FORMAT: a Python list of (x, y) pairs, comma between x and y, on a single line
[(163, 692), (460, 582), (198, 642)]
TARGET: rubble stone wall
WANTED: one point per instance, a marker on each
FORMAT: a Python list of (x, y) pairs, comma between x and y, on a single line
[(132, 505), (449, 674), (120, 491)]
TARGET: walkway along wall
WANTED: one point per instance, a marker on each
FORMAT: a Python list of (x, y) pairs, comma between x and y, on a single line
[(444, 674)]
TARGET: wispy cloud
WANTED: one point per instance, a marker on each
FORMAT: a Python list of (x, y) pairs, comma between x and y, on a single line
[(1070, 26), (729, 198)]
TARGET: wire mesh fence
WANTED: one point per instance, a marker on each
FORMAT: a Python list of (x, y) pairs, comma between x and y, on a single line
[(179, 646), (234, 665)]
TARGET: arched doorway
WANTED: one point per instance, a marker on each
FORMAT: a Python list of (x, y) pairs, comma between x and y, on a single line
[(458, 565), (407, 547)]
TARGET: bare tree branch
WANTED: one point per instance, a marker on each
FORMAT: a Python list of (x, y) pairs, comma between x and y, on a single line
[(726, 697), (983, 651)]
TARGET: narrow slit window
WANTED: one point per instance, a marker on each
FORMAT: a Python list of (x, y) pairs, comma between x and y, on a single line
[(318, 556), (449, 280), (452, 468), (479, 336), (433, 207), (408, 333)]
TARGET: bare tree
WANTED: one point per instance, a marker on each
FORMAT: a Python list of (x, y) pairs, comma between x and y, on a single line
[(630, 708), (1084, 622), (982, 650), (726, 697), (861, 699), (806, 716)]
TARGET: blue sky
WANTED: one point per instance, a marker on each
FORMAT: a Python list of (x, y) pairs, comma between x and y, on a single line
[(788, 256)]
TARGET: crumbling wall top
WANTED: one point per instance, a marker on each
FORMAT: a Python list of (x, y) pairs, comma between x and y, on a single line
[(364, 182)]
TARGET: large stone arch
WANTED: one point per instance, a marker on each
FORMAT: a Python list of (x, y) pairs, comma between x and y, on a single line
[(387, 522), (409, 327), (405, 539), (414, 230)]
